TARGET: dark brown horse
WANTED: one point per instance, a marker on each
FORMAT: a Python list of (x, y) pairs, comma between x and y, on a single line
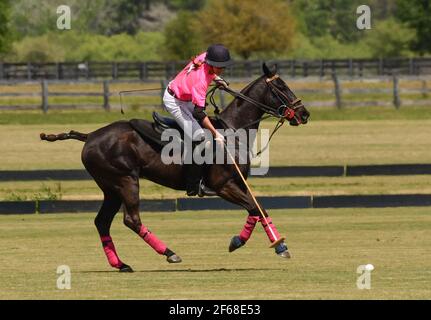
[(116, 156)]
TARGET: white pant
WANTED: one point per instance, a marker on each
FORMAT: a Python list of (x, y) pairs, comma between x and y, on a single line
[(182, 113)]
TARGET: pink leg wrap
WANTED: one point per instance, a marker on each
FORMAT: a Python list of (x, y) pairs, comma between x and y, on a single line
[(267, 227), (152, 240), (248, 228), (111, 253)]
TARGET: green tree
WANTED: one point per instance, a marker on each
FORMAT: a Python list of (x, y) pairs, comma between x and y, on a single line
[(417, 14), (75, 46), (334, 17), (182, 40), (5, 35), (122, 16), (383, 42), (248, 27), (191, 5)]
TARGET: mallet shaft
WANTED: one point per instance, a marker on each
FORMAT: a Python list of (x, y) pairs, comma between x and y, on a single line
[(252, 195)]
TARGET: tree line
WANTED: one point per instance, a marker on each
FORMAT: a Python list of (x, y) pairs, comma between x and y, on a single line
[(109, 30)]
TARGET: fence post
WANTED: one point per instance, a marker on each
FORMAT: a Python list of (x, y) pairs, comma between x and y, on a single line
[(29, 70), (106, 95), (173, 69), (57, 70), (380, 69), (337, 91), (44, 85), (411, 66), (292, 68), (424, 89), (397, 101), (114, 70), (351, 68), (143, 71), (87, 70), (322, 70)]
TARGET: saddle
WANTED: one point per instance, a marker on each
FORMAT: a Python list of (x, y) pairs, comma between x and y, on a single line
[(153, 130)]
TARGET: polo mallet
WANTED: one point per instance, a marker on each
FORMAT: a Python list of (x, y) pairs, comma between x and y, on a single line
[(277, 241)]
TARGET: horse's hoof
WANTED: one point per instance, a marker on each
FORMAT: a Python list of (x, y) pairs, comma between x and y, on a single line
[(282, 251), (285, 254), (126, 268), (235, 243), (174, 259)]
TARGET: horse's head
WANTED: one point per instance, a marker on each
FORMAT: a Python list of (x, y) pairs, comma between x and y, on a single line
[(285, 103)]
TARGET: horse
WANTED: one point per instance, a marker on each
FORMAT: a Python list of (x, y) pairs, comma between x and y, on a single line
[(117, 155)]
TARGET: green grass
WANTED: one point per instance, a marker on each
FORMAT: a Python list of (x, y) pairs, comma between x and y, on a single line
[(80, 190), (317, 143), (327, 246), (136, 110)]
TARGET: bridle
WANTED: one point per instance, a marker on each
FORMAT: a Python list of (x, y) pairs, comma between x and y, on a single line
[(286, 110)]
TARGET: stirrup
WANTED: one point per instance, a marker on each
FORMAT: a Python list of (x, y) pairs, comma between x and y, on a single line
[(205, 191)]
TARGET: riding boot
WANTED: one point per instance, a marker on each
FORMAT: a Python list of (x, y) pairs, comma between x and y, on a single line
[(194, 181), (193, 175)]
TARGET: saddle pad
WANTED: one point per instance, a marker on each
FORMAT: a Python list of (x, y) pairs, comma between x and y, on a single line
[(147, 132)]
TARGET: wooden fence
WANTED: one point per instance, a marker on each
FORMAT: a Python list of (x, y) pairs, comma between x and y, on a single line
[(318, 92), (154, 70)]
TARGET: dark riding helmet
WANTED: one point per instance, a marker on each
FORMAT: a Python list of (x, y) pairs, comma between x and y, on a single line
[(218, 56)]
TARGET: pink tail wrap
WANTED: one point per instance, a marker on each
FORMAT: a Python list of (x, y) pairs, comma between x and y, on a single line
[(248, 228), (111, 253), (152, 240)]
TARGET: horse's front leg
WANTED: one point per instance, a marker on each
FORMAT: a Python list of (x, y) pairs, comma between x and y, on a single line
[(232, 192)]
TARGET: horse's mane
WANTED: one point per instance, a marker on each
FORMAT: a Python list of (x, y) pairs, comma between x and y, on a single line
[(244, 91)]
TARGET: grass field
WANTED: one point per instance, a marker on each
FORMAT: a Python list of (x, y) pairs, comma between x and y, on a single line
[(384, 139), (327, 246), (328, 142), (88, 190)]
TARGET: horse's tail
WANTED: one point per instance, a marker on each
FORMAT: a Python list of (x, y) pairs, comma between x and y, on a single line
[(64, 136)]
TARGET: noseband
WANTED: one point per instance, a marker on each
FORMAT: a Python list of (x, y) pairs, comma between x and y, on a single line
[(288, 108)]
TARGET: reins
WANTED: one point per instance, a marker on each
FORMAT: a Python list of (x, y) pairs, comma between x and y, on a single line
[(285, 111)]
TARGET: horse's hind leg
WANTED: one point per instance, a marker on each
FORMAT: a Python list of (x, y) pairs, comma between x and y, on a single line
[(130, 196), (111, 205)]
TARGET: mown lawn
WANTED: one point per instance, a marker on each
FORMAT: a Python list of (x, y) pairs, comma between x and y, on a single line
[(328, 142), (327, 246)]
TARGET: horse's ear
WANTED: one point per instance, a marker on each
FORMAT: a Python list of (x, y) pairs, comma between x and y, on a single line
[(266, 70)]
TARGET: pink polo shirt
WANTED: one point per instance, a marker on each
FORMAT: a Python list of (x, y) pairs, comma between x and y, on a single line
[(192, 86)]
